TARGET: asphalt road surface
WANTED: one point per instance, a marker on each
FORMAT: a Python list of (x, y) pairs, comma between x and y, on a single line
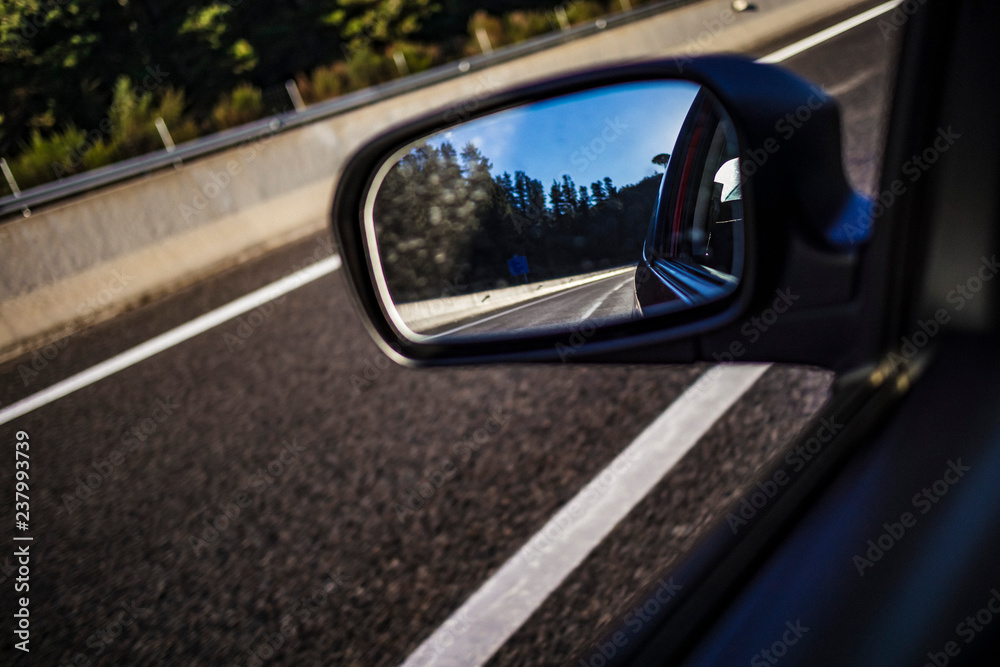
[(274, 491)]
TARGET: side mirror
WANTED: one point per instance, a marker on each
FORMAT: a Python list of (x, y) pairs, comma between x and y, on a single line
[(619, 206)]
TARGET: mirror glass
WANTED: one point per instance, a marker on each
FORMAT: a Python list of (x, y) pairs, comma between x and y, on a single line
[(588, 209)]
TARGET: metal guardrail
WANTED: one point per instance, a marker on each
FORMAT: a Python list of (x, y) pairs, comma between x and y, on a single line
[(203, 146)]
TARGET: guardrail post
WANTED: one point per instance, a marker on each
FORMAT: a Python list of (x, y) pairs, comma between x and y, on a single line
[(401, 63), (10, 177), (161, 127), (293, 92), (168, 141), (484, 41), (562, 18)]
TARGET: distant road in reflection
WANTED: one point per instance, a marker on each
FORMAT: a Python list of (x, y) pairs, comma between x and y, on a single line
[(597, 302)]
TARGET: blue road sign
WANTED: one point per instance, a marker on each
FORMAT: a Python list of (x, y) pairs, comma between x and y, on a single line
[(518, 265)]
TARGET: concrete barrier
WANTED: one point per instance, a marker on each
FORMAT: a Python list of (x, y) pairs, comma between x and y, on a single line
[(86, 259)]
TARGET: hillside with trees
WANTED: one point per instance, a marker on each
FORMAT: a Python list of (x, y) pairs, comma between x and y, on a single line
[(447, 226), (84, 80)]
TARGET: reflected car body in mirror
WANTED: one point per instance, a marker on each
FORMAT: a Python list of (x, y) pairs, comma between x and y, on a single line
[(694, 249), (549, 215)]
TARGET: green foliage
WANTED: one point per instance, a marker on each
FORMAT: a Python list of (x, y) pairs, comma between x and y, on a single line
[(585, 10), (43, 157), (366, 68), (46, 157), (520, 26), (172, 110), (126, 130), (60, 62), (111, 67), (244, 104), (419, 57), (324, 82), (132, 114), (99, 154), (373, 24), (491, 25)]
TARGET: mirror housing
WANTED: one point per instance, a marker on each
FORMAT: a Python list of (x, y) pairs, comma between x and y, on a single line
[(804, 227)]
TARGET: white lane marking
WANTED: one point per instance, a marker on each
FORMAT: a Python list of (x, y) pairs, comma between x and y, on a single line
[(603, 300), (831, 32), (170, 338), (494, 612)]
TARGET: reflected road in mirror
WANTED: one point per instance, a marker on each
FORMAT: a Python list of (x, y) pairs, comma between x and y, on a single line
[(604, 298)]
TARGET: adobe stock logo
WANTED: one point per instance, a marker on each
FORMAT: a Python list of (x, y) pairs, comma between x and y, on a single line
[(894, 531), (779, 649), (587, 154), (638, 618), (976, 622), (796, 459), (757, 326)]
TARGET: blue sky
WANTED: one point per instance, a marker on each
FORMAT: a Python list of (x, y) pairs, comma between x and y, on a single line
[(612, 131)]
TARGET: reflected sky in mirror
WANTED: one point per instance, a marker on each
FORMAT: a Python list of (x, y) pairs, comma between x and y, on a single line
[(588, 136)]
